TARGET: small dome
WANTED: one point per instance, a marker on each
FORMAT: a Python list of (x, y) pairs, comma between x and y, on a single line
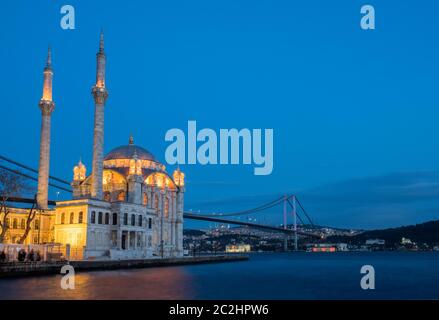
[(128, 152)]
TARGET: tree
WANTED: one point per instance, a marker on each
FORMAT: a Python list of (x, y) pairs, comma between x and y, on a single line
[(11, 185), (30, 217)]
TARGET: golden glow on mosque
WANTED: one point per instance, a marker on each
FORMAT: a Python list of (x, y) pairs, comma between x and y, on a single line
[(136, 166), (128, 163), (79, 172), (178, 177), (160, 180), (120, 166)]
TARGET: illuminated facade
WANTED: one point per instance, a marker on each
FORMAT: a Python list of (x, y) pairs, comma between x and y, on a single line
[(41, 231), (140, 215), (129, 207)]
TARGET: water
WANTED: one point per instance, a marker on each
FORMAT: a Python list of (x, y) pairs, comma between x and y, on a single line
[(399, 275)]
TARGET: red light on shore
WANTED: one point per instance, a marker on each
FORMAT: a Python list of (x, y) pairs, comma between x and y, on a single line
[(323, 249)]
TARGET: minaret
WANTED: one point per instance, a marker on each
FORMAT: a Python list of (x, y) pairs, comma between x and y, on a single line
[(46, 105), (100, 95), (134, 178), (178, 227)]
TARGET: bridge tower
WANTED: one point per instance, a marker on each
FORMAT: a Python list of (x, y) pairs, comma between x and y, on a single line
[(295, 223), (47, 106)]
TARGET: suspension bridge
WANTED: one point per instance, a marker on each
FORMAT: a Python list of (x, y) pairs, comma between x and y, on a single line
[(285, 206)]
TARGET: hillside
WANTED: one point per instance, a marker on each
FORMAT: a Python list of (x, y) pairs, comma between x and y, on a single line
[(193, 232), (427, 232)]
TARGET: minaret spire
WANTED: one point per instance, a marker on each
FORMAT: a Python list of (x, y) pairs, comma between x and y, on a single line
[(49, 58), (100, 95), (47, 106), (100, 63), (101, 42), (48, 76)]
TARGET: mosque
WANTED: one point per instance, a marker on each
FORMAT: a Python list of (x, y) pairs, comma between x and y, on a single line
[(129, 207)]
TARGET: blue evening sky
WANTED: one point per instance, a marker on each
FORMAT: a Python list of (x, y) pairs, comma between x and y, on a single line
[(354, 112)]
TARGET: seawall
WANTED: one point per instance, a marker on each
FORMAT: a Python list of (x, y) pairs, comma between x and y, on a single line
[(44, 268)]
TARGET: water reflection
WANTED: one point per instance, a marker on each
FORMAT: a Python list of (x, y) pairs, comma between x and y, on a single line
[(399, 275), (154, 283)]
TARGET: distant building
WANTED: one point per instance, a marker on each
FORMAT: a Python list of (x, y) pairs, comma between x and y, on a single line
[(233, 248), (374, 242), (406, 241), (321, 247)]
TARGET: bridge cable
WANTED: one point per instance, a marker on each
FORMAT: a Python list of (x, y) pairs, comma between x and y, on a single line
[(248, 211), (304, 211), (32, 178), (32, 169)]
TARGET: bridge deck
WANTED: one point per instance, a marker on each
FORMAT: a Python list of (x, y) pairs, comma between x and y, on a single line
[(188, 215)]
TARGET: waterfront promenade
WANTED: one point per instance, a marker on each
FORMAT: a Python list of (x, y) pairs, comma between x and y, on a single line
[(44, 268)]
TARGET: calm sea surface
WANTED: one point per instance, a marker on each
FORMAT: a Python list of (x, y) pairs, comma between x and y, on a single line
[(399, 275)]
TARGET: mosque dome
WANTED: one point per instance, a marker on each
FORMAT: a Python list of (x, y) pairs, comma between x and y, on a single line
[(132, 159), (128, 152)]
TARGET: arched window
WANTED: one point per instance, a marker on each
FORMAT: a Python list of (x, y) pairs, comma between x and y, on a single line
[(107, 218), (107, 196), (140, 221), (37, 224), (63, 218), (133, 220), (100, 218), (14, 224), (8, 222), (72, 218), (23, 224), (121, 196), (149, 223), (80, 217), (93, 217), (125, 218), (145, 199), (166, 207), (114, 219)]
